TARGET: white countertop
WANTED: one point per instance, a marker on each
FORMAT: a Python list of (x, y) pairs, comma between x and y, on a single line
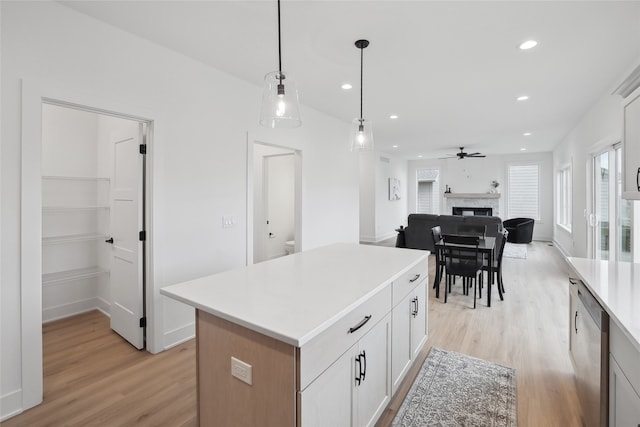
[(616, 285), (296, 297)]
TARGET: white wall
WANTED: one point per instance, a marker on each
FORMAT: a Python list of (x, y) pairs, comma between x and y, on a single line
[(379, 216), (475, 176), (198, 163)]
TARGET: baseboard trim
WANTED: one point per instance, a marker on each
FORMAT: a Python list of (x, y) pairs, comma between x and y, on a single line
[(10, 404), (562, 250), (61, 311), (103, 306), (369, 239), (179, 335)]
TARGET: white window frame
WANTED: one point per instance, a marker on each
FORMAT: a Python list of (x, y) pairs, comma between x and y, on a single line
[(564, 197), (537, 216)]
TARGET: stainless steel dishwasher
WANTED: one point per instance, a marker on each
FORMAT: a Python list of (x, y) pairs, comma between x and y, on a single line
[(591, 357)]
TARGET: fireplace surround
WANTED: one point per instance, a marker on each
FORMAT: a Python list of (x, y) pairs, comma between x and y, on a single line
[(472, 211)]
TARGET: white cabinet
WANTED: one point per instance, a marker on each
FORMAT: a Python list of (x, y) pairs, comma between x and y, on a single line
[(75, 263), (631, 147), (409, 325), (624, 380), (573, 316), (355, 389)]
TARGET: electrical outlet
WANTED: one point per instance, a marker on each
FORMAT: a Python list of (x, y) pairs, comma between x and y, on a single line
[(241, 370)]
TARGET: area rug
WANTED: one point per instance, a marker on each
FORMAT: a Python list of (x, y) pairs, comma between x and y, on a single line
[(515, 250), (452, 389)]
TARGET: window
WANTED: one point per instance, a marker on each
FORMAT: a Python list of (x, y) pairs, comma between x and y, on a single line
[(428, 191), (523, 193), (563, 202)]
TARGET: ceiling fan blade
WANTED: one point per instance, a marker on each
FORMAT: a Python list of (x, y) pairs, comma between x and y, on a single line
[(473, 154), (476, 155)]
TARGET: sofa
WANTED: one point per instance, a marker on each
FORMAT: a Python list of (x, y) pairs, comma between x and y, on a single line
[(520, 229), (417, 233)]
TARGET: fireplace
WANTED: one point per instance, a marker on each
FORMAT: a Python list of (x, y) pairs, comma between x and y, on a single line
[(472, 211)]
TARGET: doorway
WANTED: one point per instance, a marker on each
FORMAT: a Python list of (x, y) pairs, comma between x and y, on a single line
[(612, 217), (275, 201), (93, 217)]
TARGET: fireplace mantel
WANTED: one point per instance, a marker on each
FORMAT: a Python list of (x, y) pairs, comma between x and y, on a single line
[(472, 195)]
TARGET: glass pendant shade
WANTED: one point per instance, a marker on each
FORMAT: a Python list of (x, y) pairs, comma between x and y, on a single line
[(280, 108), (361, 135)]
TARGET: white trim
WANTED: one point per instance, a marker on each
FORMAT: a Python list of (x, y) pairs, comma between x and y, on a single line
[(69, 309), (179, 335), (11, 404)]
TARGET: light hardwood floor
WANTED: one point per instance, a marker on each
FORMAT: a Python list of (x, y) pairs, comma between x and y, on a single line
[(93, 377)]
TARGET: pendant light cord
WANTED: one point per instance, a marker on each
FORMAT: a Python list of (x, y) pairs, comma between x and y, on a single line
[(361, 79), (279, 47)]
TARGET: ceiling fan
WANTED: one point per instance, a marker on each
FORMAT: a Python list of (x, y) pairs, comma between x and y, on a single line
[(461, 155)]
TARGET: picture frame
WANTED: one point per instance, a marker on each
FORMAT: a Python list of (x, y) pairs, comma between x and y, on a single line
[(394, 189)]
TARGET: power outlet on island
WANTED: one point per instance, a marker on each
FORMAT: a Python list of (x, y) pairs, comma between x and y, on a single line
[(228, 221), (241, 370)]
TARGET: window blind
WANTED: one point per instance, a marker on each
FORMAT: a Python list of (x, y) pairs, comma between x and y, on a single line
[(524, 199), (425, 197)]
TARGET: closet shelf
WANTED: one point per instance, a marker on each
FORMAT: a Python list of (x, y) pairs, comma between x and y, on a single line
[(73, 178), (70, 238), (72, 208), (70, 275)]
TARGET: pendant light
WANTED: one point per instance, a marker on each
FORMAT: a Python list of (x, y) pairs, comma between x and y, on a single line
[(361, 129), (280, 98)]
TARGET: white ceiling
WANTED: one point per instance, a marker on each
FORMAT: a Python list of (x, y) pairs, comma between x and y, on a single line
[(451, 70)]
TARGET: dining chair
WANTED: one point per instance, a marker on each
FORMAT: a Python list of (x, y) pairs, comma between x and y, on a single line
[(497, 264), (462, 258), (436, 233)]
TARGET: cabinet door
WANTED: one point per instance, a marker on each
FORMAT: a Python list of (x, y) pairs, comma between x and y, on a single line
[(327, 401), (631, 147), (401, 341), (374, 391), (419, 319), (624, 403)]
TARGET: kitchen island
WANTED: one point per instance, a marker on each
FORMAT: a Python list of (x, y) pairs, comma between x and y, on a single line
[(321, 337)]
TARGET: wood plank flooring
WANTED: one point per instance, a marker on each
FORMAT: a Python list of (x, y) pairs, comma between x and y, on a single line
[(94, 378)]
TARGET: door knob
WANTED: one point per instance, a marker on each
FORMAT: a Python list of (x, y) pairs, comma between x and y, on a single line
[(109, 240)]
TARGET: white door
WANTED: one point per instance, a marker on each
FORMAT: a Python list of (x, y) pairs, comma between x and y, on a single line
[(127, 303), (279, 202)]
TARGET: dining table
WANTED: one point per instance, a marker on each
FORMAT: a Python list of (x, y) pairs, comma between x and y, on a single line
[(486, 246)]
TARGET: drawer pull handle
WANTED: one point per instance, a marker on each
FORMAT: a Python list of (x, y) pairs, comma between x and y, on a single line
[(575, 322), (415, 278), (638, 184), (572, 281), (360, 325)]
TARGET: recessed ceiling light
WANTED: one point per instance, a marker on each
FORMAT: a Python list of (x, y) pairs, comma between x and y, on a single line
[(393, 116), (523, 149), (527, 134), (420, 155), (394, 146), (528, 44), (522, 98), (346, 86)]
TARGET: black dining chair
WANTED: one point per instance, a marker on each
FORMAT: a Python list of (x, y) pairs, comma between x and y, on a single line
[(497, 264), (436, 233), (462, 258)]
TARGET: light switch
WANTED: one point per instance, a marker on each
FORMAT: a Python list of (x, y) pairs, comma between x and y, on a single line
[(241, 370), (228, 221)]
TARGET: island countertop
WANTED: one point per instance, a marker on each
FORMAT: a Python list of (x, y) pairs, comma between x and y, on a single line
[(616, 286), (296, 297)]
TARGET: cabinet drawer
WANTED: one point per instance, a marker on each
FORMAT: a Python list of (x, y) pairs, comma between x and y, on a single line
[(409, 280), (319, 353), (626, 355)]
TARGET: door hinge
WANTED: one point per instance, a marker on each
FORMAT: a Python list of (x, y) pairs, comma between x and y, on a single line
[(142, 236), (143, 322), (143, 148)]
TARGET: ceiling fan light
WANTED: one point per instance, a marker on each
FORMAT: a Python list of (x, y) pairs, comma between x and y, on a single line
[(280, 107)]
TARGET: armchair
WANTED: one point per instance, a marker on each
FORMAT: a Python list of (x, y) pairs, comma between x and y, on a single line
[(520, 230)]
